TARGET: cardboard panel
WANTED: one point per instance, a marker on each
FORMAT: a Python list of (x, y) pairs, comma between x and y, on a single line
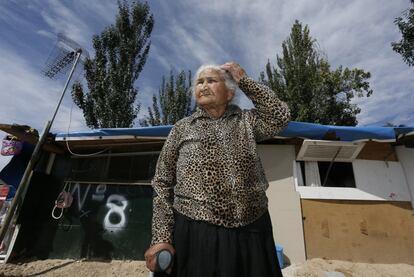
[(359, 231)]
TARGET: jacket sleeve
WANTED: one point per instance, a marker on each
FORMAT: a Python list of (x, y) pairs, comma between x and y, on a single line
[(270, 114), (163, 185)]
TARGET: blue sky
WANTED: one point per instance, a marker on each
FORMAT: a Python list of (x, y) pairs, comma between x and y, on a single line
[(354, 34)]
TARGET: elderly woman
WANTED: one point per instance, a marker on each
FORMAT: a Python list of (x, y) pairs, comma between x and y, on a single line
[(210, 206)]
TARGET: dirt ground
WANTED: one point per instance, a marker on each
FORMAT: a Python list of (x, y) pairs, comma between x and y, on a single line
[(332, 268), (311, 268)]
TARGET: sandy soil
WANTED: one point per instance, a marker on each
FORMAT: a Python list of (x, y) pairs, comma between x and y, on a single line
[(311, 268), (326, 268), (70, 268)]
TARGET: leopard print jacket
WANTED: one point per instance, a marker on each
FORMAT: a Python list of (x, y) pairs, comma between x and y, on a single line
[(209, 168)]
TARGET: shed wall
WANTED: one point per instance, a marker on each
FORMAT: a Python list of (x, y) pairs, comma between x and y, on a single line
[(284, 201), (406, 157), (385, 180)]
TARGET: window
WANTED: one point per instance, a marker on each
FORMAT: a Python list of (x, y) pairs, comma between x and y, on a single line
[(321, 174)]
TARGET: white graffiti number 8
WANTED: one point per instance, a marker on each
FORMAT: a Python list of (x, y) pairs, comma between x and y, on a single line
[(117, 205)]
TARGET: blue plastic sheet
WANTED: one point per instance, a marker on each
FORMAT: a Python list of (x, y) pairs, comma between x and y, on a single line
[(293, 130)]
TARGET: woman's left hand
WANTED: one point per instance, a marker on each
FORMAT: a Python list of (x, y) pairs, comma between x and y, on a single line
[(235, 70), (151, 253)]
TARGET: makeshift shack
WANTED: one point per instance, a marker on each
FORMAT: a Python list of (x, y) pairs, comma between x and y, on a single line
[(335, 192)]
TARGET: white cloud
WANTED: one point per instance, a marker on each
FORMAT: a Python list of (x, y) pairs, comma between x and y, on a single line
[(46, 34), (188, 33), (78, 20), (355, 34), (29, 98), (62, 19), (162, 60)]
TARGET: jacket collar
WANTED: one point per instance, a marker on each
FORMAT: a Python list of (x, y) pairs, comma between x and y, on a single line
[(200, 113)]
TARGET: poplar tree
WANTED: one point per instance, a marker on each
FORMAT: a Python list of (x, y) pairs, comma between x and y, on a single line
[(173, 102), (305, 81), (121, 51), (405, 47)]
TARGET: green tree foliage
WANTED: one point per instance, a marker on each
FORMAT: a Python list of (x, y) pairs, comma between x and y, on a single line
[(173, 102), (121, 51), (305, 81), (405, 47)]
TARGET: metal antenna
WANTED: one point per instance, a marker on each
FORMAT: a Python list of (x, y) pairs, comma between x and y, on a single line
[(62, 54), (66, 52)]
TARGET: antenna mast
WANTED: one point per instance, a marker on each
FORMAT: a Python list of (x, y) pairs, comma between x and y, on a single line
[(65, 52)]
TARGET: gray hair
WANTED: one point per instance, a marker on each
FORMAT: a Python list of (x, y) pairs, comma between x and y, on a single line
[(229, 82)]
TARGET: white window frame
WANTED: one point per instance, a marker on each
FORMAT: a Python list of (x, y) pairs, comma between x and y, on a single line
[(342, 193)]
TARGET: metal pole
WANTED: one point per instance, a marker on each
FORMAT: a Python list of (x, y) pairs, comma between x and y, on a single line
[(24, 182), (330, 166), (78, 55)]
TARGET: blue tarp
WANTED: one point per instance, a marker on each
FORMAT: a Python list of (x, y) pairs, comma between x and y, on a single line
[(154, 131), (293, 130), (343, 133)]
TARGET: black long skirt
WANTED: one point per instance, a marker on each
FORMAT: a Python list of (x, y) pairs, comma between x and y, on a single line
[(207, 250)]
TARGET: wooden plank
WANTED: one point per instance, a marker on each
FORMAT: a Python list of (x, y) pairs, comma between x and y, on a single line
[(359, 231), (112, 143), (116, 146), (377, 151), (20, 131)]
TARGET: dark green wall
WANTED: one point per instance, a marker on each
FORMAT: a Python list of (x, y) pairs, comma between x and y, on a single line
[(104, 221)]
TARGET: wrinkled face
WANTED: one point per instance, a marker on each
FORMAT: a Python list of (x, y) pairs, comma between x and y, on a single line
[(211, 91)]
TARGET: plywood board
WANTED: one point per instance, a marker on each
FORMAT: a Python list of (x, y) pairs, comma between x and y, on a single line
[(377, 151), (359, 231)]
